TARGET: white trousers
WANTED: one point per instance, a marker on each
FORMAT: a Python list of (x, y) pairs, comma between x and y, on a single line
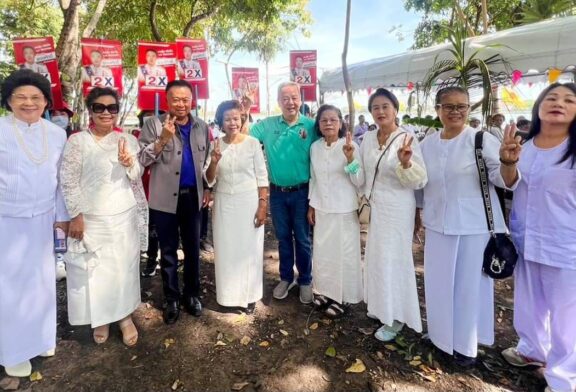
[(545, 320), (459, 296)]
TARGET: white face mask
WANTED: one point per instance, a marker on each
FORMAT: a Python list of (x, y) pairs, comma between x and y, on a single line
[(61, 121)]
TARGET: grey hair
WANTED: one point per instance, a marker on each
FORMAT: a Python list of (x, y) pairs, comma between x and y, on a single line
[(287, 84)]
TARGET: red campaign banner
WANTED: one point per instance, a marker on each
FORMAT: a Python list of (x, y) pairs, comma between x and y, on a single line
[(303, 71), (156, 67), (245, 80), (38, 55), (101, 64), (192, 64)]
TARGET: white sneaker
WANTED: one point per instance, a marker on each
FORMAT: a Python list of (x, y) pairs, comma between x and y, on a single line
[(60, 268), (23, 369)]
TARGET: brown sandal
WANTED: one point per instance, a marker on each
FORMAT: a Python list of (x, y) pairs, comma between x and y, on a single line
[(101, 334), (129, 332)]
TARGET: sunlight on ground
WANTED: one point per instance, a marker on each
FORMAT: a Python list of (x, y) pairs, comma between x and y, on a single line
[(308, 378)]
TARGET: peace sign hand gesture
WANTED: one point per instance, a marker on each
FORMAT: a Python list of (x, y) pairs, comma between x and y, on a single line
[(511, 146), (216, 154), (405, 152), (348, 148), (168, 128), (124, 156)]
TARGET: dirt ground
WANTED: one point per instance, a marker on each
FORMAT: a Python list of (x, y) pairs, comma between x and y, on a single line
[(283, 347)]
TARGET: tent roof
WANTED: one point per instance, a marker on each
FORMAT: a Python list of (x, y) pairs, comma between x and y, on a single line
[(538, 46)]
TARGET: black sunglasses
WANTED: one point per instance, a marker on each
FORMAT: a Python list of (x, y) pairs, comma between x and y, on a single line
[(100, 108)]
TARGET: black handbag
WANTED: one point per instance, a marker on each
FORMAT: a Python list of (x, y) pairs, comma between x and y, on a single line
[(500, 255)]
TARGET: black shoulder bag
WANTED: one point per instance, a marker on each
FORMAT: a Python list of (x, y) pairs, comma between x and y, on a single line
[(500, 255)]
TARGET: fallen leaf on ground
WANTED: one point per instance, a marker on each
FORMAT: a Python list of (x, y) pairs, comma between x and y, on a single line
[(326, 321), (245, 340), (240, 319), (283, 332), (230, 338), (280, 322), (220, 336), (10, 383), (415, 363), (390, 347), (330, 352), (314, 326), (36, 376), (220, 343), (366, 331), (134, 357), (264, 344), (379, 354), (239, 386), (426, 377), (175, 385), (168, 342), (306, 331), (357, 367)]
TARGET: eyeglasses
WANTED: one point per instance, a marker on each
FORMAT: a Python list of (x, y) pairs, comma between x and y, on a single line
[(36, 99), (100, 108), (450, 108)]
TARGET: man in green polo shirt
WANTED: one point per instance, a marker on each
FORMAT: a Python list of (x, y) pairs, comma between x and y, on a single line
[(287, 140)]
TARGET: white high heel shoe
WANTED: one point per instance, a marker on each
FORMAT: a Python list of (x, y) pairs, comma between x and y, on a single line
[(23, 369)]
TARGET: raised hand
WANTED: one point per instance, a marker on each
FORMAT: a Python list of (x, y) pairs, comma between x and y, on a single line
[(216, 154), (511, 146), (168, 128), (348, 148), (124, 156), (405, 152)]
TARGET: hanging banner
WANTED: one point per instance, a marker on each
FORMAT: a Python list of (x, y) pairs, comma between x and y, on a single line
[(101, 64), (246, 81), (156, 67), (38, 55), (303, 71), (192, 64)]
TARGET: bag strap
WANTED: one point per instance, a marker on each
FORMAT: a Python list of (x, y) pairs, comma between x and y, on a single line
[(481, 165), (379, 159)]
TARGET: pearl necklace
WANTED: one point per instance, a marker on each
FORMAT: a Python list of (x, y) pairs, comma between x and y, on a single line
[(40, 160)]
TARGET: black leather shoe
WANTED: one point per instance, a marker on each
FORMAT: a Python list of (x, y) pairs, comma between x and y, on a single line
[(193, 306), (171, 312), (464, 361)]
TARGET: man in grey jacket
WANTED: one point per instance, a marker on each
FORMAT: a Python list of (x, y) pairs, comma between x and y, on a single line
[(175, 146)]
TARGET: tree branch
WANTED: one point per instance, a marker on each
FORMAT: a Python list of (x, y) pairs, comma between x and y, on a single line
[(195, 19), (89, 30), (152, 19)]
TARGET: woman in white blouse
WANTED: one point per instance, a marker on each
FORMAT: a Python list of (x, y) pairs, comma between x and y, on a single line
[(459, 297), (543, 229), (104, 236), (394, 169), (335, 178), (30, 206), (237, 168)]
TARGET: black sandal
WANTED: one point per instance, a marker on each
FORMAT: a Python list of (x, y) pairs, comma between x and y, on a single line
[(336, 310), (321, 302)]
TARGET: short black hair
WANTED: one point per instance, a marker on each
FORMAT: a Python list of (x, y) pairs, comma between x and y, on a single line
[(179, 83), (223, 108), (98, 92), (146, 113), (522, 122), (450, 90), (382, 92), (24, 77), (321, 110)]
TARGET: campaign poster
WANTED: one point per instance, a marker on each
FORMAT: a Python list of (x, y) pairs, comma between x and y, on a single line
[(192, 64), (101, 64), (156, 67), (245, 81), (38, 55), (303, 71)]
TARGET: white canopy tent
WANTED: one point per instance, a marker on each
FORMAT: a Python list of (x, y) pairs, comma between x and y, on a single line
[(537, 46)]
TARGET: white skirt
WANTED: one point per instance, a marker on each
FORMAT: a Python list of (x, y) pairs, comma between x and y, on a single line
[(27, 288), (337, 266), (238, 249), (102, 270), (459, 296)]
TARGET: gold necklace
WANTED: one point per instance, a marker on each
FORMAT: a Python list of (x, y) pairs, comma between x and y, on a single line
[(24, 147)]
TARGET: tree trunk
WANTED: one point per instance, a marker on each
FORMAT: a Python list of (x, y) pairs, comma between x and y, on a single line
[(345, 74), (152, 19), (89, 30), (484, 16), (68, 48)]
